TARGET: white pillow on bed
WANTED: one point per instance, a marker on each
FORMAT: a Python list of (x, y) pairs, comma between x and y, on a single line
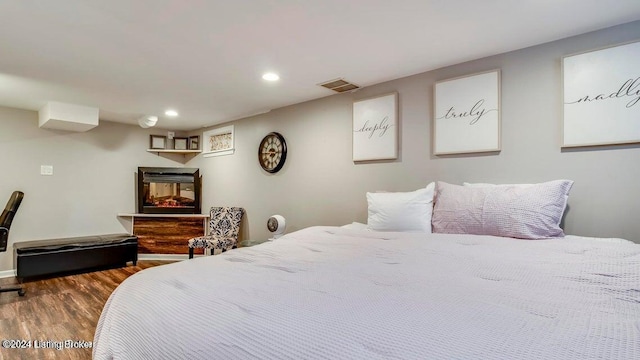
[(520, 211), (401, 211)]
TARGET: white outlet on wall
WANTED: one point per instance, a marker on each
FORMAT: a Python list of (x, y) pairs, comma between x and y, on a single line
[(46, 169), (170, 135)]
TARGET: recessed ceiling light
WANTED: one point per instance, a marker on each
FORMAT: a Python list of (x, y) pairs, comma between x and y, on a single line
[(271, 77), (171, 113)]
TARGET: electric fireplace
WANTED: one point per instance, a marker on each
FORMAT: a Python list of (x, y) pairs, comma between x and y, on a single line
[(163, 190)]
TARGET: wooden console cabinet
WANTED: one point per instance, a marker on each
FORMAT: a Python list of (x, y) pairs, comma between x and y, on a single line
[(167, 233)]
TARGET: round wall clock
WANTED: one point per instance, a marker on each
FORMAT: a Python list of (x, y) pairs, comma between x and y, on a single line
[(272, 152)]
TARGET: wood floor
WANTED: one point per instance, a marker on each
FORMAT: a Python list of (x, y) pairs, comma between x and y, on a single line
[(58, 309)]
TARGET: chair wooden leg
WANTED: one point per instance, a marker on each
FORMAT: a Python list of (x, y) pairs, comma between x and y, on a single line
[(190, 253)]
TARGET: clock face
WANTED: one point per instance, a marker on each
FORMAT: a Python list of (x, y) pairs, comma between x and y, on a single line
[(272, 152), (272, 224)]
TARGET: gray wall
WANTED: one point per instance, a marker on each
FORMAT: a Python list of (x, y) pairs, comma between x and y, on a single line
[(94, 172), (320, 185), (94, 177)]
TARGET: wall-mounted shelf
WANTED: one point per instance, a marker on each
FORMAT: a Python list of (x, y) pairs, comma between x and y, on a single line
[(183, 152), (174, 155)]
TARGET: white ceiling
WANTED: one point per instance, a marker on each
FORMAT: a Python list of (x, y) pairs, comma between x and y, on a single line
[(205, 58)]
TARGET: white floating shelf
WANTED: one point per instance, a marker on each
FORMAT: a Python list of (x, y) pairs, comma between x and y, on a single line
[(174, 151)]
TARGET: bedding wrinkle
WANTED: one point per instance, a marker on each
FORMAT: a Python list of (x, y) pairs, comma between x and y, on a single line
[(281, 268), (314, 250), (237, 259)]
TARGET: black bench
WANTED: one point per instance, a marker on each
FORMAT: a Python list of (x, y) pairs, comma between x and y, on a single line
[(46, 257)]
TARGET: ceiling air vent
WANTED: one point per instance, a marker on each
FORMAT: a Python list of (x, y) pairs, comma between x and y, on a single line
[(339, 85)]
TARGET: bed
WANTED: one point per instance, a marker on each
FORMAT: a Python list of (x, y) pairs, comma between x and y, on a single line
[(391, 289)]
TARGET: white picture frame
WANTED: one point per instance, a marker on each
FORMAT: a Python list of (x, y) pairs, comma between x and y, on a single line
[(601, 97), (218, 142), (375, 128), (467, 114)]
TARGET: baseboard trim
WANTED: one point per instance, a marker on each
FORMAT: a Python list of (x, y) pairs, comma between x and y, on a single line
[(164, 256), (7, 273), (174, 257)]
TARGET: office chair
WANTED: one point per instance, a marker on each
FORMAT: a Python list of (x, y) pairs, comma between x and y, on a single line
[(5, 223)]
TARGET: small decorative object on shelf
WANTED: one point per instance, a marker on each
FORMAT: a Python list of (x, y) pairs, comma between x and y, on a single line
[(180, 143), (158, 142), (194, 142)]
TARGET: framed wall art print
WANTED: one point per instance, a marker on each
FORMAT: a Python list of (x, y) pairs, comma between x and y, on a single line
[(180, 143), (218, 142), (194, 142), (375, 128), (601, 97), (157, 142), (467, 114)]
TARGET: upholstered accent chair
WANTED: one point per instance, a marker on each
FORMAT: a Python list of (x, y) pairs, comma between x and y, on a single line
[(5, 223), (224, 227)]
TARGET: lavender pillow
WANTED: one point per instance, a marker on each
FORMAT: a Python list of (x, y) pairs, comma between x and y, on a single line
[(525, 212)]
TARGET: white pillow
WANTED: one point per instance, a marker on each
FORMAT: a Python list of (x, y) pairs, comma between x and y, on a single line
[(401, 211)]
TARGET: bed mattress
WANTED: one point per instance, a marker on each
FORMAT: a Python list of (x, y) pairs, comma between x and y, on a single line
[(334, 293)]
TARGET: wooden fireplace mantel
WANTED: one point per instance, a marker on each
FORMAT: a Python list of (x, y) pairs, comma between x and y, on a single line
[(202, 216), (166, 233)]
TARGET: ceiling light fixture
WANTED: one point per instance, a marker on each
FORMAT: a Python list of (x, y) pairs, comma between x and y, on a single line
[(171, 113), (271, 76), (147, 121)]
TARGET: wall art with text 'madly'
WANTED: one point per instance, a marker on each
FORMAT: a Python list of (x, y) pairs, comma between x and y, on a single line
[(601, 97)]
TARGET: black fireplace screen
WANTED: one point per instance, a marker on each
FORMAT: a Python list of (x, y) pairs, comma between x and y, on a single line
[(168, 190)]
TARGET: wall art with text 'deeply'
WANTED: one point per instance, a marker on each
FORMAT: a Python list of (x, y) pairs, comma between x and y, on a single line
[(375, 128)]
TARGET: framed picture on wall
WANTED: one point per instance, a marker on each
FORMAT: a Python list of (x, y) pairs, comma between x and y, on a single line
[(601, 97), (375, 128), (218, 142), (194, 142), (158, 142), (180, 143), (467, 114)]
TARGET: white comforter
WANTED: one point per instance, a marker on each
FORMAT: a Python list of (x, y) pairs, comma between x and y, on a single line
[(332, 293)]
